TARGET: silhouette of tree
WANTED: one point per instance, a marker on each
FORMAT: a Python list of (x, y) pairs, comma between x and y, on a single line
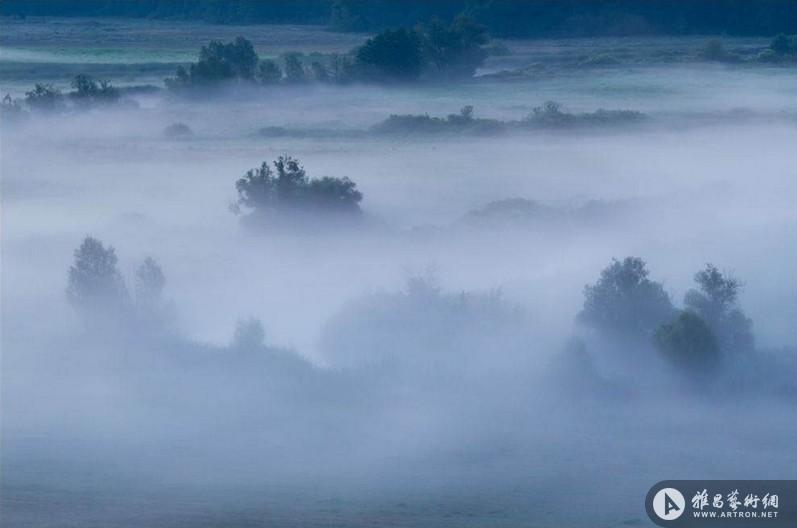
[(625, 302)]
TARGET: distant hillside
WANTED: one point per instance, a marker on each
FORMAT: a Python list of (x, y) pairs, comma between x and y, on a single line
[(503, 18)]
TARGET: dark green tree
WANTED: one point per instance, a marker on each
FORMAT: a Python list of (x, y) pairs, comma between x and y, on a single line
[(393, 55), (453, 50)]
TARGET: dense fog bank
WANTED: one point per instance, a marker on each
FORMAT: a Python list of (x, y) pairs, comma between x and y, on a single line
[(286, 307)]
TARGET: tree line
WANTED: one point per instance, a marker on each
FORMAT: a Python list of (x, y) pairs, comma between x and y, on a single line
[(505, 18)]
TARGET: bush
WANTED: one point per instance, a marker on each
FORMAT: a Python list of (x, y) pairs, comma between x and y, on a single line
[(550, 115), (44, 97), (287, 188), (624, 302), (688, 343)]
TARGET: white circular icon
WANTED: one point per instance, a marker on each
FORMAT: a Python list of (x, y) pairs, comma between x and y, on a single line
[(668, 504)]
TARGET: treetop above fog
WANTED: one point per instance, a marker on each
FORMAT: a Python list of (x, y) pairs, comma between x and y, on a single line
[(287, 188)]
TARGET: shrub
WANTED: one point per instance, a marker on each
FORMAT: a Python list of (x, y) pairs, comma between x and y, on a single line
[(44, 97)]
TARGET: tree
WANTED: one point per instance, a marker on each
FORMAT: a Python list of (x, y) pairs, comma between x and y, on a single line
[(783, 45), (454, 50), (89, 90), (287, 187), (44, 97), (217, 62), (625, 302), (393, 55), (688, 343), (715, 301), (95, 285), (149, 283), (294, 70), (269, 72)]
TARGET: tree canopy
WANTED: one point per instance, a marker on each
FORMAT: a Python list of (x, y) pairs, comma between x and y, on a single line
[(625, 302), (287, 187)]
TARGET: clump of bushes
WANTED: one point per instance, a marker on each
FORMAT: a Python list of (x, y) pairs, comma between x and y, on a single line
[(86, 93), (286, 188), (460, 123), (550, 115)]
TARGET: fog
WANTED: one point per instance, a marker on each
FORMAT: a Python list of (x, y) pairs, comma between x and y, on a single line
[(423, 366)]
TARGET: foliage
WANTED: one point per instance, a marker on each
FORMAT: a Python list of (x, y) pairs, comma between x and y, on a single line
[(393, 55), (426, 329), (269, 72), (434, 50), (715, 301), (287, 187), (87, 90), (625, 302), (44, 97), (454, 50), (688, 343), (460, 123), (95, 284), (11, 109), (550, 115), (149, 282), (294, 69), (783, 44), (219, 62), (508, 18), (715, 51)]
